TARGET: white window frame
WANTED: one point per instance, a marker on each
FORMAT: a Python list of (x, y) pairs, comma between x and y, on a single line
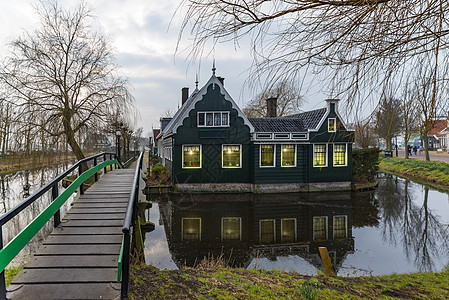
[(282, 229), (346, 155), (274, 229), (213, 118), (222, 228), (260, 156), (346, 225), (201, 156), (293, 166), (327, 155), (182, 228), (240, 163), (326, 226), (335, 124)]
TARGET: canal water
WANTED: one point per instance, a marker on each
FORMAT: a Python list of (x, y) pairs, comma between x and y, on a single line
[(400, 227), (15, 188)]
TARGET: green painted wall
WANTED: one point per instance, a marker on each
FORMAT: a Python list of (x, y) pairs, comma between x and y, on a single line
[(280, 174), (212, 140), (330, 173)]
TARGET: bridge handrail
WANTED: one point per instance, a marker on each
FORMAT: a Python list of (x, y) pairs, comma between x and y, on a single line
[(20, 207), (130, 218)]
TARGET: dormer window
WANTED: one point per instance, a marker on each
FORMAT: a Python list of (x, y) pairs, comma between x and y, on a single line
[(331, 125), (213, 119)]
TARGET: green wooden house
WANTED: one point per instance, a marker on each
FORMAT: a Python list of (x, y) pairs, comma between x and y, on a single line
[(210, 145)]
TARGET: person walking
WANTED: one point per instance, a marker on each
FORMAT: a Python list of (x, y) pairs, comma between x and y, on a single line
[(415, 150)]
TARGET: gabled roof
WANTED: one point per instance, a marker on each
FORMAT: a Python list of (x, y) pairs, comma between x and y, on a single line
[(439, 126), (277, 125), (310, 119), (196, 96)]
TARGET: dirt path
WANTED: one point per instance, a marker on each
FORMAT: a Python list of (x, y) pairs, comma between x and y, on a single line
[(434, 156)]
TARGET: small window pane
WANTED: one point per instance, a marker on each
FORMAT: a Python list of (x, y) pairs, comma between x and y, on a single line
[(209, 119), (319, 228), (192, 157), (340, 230), (231, 229), (288, 227), (217, 119), (231, 156), (266, 155), (331, 125), (267, 231), (288, 156), (191, 229), (340, 154), (319, 155), (225, 119), (201, 119)]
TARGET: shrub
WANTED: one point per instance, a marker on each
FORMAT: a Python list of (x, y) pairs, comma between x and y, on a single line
[(160, 175), (365, 164)]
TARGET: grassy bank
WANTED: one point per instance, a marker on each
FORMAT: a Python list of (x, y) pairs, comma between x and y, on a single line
[(18, 163), (148, 282), (431, 172)]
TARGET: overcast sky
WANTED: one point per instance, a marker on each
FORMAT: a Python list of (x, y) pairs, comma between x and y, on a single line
[(145, 41)]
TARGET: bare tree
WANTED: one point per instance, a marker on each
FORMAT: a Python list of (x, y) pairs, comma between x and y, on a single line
[(365, 136), (389, 120), (410, 115), (355, 45), (288, 101), (65, 72)]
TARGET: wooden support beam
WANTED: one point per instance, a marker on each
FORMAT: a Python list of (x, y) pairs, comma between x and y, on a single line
[(326, 261)]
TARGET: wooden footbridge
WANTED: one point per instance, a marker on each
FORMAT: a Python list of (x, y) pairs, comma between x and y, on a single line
[(87, 254)]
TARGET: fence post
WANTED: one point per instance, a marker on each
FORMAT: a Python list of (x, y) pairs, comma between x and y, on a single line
[(54, 195), (125, 265), (105, 167), (2, 275), (80, 171), (96, 173)]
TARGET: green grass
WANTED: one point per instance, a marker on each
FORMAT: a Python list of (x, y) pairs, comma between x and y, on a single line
[(148, 282), (432, 172), (11, 273)]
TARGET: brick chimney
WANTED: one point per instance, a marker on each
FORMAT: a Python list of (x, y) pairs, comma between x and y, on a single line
[(185, 94), (221, 80), (271, 107)]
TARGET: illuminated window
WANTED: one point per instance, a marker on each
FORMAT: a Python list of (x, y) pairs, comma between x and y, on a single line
[(332, 125), (288, 230), (267, 231), (232, 156), (319, 228), (191, 156), (288, 156), (340, 155), (231, 229), (340, 227), (267, 156), (191, 229), (213, 119), (320, 155)]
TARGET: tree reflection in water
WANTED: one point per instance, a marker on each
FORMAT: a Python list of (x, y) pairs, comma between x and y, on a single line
[(409, 222)]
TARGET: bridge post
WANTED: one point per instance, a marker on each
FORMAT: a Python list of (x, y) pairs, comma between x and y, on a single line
[(54, 195), (2, 275), (125, 265), (106, 167), (80, 171), (96, 173)]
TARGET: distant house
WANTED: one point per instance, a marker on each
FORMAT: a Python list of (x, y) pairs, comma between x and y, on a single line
[(210, 145), (437, 136)]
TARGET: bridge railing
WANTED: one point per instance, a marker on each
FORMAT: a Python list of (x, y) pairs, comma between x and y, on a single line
[(128, 226), (8, 252)]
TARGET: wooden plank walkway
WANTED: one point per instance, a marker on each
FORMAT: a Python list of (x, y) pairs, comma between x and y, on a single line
[(78, 260)]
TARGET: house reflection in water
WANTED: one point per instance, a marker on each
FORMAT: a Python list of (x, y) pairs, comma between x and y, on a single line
[(243, 227)]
